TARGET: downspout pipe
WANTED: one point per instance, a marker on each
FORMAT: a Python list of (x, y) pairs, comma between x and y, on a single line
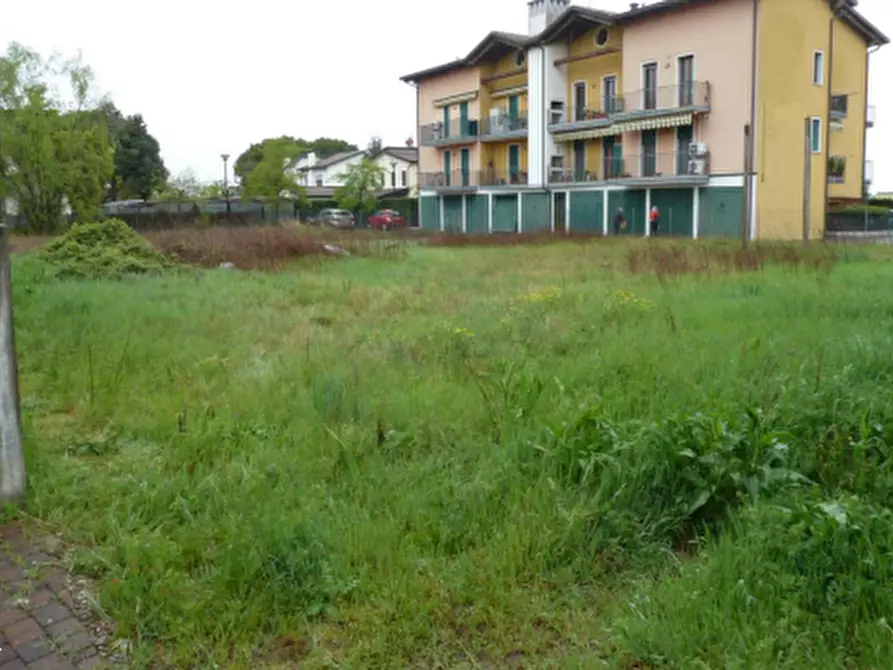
[(751, 149)]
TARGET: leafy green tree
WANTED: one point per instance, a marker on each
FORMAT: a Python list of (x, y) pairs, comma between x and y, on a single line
[(361, 185), (139, 169), (183, 187), (291, 147), (270, 179), (54, 150)]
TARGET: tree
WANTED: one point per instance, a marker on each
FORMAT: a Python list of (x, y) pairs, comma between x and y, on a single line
[(361, 185), (139, 169), (270, 179), (291, 147), (54, 151), (181, 188)]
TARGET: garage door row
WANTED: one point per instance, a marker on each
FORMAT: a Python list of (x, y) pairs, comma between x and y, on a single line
[(584, 211)]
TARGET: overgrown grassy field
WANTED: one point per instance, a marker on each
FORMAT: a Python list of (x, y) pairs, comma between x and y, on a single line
[(564, 455)]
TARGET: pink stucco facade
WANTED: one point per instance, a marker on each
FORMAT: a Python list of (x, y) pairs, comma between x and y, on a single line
[(444, 86), (718, 35)]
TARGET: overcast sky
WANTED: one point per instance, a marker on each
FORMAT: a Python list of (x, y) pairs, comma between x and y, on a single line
[(212, 77)]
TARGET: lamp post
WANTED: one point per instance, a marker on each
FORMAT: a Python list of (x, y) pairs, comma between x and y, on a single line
[(225, 158)]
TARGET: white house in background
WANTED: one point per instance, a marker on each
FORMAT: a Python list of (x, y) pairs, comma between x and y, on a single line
[(400, 165)]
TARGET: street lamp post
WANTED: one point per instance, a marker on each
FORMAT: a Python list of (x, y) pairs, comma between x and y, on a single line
[(225, 158)]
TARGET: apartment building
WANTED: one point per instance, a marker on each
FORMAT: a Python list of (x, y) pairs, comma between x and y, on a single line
[(709, 110)]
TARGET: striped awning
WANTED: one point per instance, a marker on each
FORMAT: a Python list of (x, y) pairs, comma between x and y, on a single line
[(652, 123), (591, 134)]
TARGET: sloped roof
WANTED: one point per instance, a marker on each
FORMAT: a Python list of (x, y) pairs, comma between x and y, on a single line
[(334, 159), (576, 15), (408, 154)]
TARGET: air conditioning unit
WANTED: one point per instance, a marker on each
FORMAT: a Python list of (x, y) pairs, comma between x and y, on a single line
[(556, 116), (697, 150), (697, 166)]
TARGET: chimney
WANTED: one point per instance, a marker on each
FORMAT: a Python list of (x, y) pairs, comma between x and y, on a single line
[(634, 5), (541, 13)]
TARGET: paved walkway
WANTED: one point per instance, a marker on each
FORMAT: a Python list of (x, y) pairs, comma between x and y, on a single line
[(39, 626)]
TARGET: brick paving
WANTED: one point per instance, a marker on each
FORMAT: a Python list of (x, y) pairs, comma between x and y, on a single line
[(40, 628)]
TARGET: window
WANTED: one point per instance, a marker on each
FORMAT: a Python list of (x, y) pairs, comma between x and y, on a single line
[(318, 180), (393, 178), (649, 153), (686, 74), (609, 95), (815, 135), (601, 37), (579, 100), (403, 178), (818, 68), (649, 85), (520, 57)]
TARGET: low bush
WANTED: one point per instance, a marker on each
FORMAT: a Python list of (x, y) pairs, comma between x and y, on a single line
[(108, 249)]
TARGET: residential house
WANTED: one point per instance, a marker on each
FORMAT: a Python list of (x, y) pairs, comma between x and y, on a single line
[(710, 110), (322, 176)]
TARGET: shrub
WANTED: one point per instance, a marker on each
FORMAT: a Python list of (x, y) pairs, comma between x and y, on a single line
[(109, 249), (798, 584)]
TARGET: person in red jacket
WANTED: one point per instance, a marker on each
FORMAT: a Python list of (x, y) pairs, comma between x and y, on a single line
[(654, 221)]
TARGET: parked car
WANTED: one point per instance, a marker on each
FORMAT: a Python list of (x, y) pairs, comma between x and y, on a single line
[(385, 219), (337, 218)]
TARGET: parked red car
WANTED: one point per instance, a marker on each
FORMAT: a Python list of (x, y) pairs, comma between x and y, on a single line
[(385, 219)]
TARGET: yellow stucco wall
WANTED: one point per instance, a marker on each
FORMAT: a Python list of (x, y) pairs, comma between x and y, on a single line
[(789, 32), (591, 70), (849, 78), (498, 154)]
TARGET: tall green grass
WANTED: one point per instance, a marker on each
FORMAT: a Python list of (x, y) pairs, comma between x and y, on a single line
[(470, 457)]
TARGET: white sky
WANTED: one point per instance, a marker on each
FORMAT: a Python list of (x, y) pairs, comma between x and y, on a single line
[(212, 77)]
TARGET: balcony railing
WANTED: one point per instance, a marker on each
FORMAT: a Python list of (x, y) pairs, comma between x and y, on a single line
[(670, 165), (870, 115), (836, 169), (691, 95), (459, 179), (839, 105), (507, 125), (454, 132)]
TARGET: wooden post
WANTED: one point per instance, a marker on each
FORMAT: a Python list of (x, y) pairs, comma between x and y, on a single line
[(807, 177), (12, 458)]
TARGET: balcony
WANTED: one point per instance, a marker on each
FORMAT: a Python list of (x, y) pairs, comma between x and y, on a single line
[(870, 115), (504, 127), (647, 169), (583, 118), (836, 169), (693, 97), (455, 132), (459, 180), (839, 105)]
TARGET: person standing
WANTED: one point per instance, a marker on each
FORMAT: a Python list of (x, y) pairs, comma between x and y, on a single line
[(654, 221), (619, 221)]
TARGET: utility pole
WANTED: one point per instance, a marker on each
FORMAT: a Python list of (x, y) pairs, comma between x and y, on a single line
[(225, 158), (807, 177), (12, 457), (748, 186)]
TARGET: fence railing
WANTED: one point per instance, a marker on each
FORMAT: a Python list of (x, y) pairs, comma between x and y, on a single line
[(472, 178), (493, 127), (637, 166), (688, 94), (457, 130), (839, 106), (864, 219)]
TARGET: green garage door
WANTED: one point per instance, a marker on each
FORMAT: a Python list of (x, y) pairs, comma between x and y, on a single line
[(476, 214), (429, 209), (633, 203), (721, 211), (535, 212), (452, 213), (505, 213), (676, 209), (587, 211)]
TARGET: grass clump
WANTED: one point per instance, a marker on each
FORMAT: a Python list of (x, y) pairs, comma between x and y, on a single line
[(108, 249)]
